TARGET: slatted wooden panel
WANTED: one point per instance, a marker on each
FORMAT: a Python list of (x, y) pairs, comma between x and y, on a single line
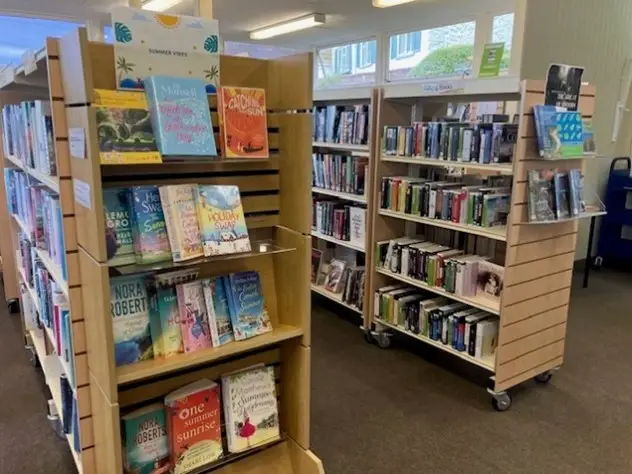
[(539, 262)]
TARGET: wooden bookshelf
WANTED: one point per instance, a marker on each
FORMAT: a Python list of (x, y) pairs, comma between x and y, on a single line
[(333, 240), (500, 168), (361, 198), (337, 297), (277, 208)]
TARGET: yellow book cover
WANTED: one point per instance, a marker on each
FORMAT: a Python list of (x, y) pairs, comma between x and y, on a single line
[(124, 128)]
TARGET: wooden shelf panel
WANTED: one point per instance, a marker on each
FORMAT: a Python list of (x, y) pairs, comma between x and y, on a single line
[(357, 150), (51, 182), (156, 367), (342, 243), (337, 297), (339, 194), (501, 168)]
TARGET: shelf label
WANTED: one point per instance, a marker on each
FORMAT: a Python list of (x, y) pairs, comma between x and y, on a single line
[(30, 64), (6, 76), (77, 139), (440, 88), (82, 193)]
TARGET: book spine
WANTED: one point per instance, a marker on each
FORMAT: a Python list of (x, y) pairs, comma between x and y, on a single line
[(210, 308), (174, 230)]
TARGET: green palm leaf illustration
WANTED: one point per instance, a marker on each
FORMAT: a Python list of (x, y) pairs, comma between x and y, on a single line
[(211, 44), (122, 32)]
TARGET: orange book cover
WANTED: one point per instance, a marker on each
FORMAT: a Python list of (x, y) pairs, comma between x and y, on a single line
[(244, 124)]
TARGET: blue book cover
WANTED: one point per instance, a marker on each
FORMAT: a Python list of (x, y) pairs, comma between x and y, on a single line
[(119, 242), (145, 440), (180, 116), (166, 334), (129, 308), (576, 192), (248, 312), (562, 199), (218, 310), (149, 230)]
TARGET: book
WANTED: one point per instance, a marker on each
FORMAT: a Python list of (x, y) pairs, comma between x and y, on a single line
[(540, 203), (129, 309), (570, 133), (194, 426), (124, 128), (243, 122), (250, 408), (560, 133), (333, 281), (183, 230), (576, 185), (180, 116), (218, 310), (166, 333), (149, 230), (357, 226), (222, 221), (196, 333), (316, 256), (145, 443), (119, 242), (590, 144), (248, 312), (490, 280), (562, 195)]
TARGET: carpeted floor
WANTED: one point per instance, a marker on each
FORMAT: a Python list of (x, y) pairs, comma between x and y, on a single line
[(389, 411)]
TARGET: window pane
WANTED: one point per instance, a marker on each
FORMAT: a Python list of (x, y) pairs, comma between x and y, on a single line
[(256, 50), (346, 65), (503, 33), (440, 52)]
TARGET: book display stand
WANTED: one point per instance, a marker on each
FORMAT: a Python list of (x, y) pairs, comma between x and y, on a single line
[(538, 259)]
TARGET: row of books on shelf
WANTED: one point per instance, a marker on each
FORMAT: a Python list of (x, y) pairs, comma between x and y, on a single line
[(479, 204), (40, 211), (337, 124), (562, 133), (340, 220), (555, 194), (183, 433), (453, 270), (451, 140), (342, 173), (338, 276), (456, 325), (167, 314), (149, 224), (28, 134)]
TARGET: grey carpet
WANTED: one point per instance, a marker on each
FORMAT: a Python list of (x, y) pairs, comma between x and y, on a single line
[(410, 408)]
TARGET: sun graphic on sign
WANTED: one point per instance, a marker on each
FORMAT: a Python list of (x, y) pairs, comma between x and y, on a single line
[(167, 21)]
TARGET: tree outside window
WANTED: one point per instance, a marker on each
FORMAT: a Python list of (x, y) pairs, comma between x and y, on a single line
[(346, 65)]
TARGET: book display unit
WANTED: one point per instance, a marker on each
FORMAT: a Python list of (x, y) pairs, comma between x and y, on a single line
[(458, 264), (343, 152)]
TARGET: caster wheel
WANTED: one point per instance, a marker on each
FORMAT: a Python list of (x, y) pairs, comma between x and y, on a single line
[(597, 263), (14, 306), (384, 341), (543, 378), (501, 402)]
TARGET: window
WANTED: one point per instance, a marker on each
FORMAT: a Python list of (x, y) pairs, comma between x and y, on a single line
[(256, 50), (446, 51), (502, 32), (350, 64)]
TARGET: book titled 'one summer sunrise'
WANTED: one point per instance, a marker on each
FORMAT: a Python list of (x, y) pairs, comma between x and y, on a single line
[(180, 116)]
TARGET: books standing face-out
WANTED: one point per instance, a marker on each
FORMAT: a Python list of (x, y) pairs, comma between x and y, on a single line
[(193, 317), (216, 296), (178, 204), (148, 225), (119, 242), (180, 116), (145, 442), (166, 333), (248, 311), (243, 122), (555, 195)]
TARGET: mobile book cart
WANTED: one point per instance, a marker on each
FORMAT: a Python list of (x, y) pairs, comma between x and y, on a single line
[(275, 196), (41, 80), (538, 258)]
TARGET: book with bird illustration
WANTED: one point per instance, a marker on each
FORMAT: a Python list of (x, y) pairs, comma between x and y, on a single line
[(118, 227), (222, 220), (218, 310), (194, 426), (250, 408), (145, 443), (243, 122), (124, 128), (149, 229), (246, 303), (183, 230), (196, 334)]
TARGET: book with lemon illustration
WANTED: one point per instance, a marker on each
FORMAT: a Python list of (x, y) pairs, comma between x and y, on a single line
[(243, 122)]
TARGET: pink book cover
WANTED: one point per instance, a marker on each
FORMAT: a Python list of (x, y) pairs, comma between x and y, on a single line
[(196, 333)]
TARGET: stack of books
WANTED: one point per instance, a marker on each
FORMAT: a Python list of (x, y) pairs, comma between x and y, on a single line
[(555, 194), (341, 124), (340, 220), (339, 277), (342, 173)]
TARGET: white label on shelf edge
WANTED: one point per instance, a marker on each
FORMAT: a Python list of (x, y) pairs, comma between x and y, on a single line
[(77, 139), (82, 193), (30, 64)]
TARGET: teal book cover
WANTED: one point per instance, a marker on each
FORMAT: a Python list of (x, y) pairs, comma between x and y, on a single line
[(570, 131), (219, 312), (165, 322), (145, 441), (118, 227), (149, 229), (180, 116), (248, 312)]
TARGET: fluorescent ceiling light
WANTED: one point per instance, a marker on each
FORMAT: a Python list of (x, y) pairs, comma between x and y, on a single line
[(160, 5), (389, 3), (297, 24)]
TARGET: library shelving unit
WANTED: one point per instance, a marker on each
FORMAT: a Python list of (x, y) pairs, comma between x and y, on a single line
[(349, 98), (275, 195), (42, 80), (538, 259)]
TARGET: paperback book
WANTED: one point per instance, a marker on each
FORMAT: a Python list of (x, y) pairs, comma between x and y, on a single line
[(119, 241), (218, 310), (149, 229), (248, 312), (183, 230), (145, 443), (490, 280), (540, 204), (562, 195), (243, 122), (166, 332), (193, 317)]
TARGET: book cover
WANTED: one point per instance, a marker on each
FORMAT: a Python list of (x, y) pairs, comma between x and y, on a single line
[(316, 256), (562, 198), (183, 230), (119, 242), (166, 332), (250, 408), (218, 310), (129, 309), (147, 42), (576, 185), (490, 280), (149, 229), (194, 426), (570, 134), (196, 334), (590, 144), (222, 221), (243, 122), (248, 312), (145, 443), (545, 119), (334, 281), (540, 204), (124, 128), (357, 226), (180, 116)]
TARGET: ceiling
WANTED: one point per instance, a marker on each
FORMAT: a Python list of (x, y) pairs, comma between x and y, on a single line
[(346, 19)]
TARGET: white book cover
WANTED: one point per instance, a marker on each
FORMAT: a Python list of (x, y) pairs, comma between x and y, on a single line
[(148, 43), (357, 228)]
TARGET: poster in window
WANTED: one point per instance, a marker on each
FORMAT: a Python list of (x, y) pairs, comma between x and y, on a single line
[(562, 86)]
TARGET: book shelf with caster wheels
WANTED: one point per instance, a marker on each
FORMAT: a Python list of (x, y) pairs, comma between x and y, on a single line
[(538, 259), (275, 197)]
